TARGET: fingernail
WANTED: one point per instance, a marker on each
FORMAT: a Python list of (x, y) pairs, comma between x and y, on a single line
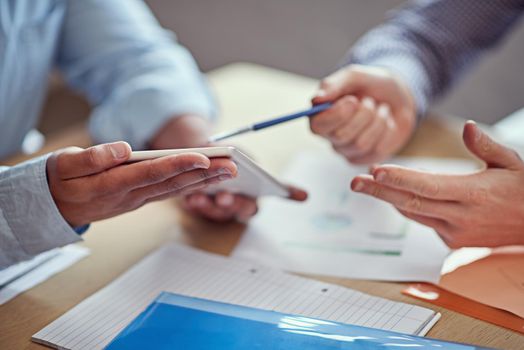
[(225, 177), (119, 150), (359, 186), (224, 171), (380, 176), (200, 165)]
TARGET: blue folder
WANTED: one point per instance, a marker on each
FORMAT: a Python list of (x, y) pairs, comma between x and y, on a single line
[(178, 322)]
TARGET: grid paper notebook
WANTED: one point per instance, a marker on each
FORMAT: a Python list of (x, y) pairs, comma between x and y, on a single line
[(93, 323)]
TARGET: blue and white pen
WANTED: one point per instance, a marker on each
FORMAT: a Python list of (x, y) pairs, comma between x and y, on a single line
[(266, 124)]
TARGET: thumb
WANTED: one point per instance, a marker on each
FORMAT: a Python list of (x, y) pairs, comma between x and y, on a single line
[(494, 154), (83, 162), (334, 86)]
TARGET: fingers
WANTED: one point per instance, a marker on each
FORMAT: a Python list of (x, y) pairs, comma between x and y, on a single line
[(243, 207), (194, 166), (186, 191), (356, 124), (493, 153), (297, 194), (370, 137), (184, 183), (434, 186), (408, 202), (77, 162), (356, 129), (440, 226), (222, 207), (332, 119)]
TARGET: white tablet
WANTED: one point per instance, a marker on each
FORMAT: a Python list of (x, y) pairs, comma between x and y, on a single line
[(251, 180)]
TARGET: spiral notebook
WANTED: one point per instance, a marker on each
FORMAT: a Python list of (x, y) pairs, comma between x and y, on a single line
[(186, 271)]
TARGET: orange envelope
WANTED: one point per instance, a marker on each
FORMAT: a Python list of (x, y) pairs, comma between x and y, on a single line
[(438, 296), (490, 288)]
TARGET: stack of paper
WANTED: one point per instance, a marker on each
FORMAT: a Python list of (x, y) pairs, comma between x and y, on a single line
[(341, 233), (177, 269)]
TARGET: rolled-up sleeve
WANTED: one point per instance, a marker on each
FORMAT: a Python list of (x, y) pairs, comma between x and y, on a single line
[(432, 43), (30, 222), (133, 71)]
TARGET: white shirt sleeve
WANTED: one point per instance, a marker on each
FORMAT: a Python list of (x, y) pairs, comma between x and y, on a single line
[(30, 222)]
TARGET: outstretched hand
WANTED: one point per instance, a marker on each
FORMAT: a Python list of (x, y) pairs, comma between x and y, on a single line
[(373, 113), (485, 208), (95, 183), (226, 206)]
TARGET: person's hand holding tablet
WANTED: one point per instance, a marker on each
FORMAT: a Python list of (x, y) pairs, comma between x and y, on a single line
[(193, 131), (94, 183)]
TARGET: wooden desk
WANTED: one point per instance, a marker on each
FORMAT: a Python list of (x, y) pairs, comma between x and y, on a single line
[(246, 93)]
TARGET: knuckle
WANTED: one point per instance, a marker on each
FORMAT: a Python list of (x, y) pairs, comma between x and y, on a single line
[(154, 174), (325, 84), (204, 174), (339, 137), (107, 185), (57, 160), (477, 196), (460, 221), (174, 186), (396, 180), (362, 145), (429, 189), (414, 203), (376, 191), (93, 157), (346, 105)]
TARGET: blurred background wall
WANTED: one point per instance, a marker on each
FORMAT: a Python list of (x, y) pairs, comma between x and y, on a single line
[(309, 37)]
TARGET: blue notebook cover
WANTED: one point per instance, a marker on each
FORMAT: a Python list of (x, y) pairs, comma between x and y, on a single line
[(178, 322)]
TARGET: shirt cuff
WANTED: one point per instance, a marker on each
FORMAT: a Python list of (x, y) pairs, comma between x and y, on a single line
[(82, 229), (31, 223)]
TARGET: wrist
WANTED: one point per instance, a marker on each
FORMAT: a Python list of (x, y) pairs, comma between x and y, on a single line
[(184, 131)]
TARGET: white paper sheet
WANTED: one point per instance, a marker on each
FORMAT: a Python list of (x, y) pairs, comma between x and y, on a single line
[(341, 233), (23, 276), (174, 268)]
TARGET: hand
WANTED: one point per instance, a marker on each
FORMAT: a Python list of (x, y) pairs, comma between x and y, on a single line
[(193, 131), (226, 206), (484, 209), (93, 184), (373, 115)]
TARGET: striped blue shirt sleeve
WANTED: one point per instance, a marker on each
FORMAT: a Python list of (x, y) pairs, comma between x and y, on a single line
[(432, 43), (30, 222)]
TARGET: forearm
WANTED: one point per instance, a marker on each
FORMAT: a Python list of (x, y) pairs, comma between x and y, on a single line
[(182, 132), (30, 222), (140, 106), (134, 72)]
